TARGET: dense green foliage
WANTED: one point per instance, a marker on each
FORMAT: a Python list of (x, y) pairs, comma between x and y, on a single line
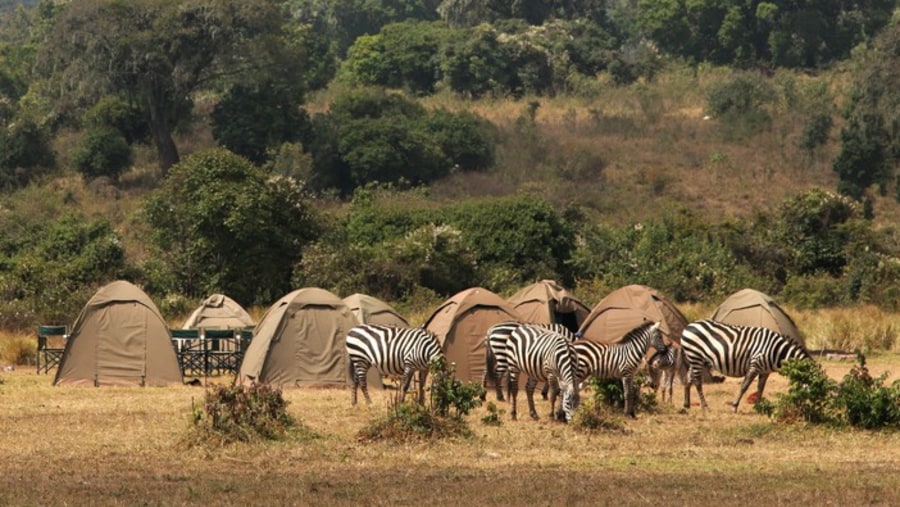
[(859, 400), (449, 401), (870, 140), (223, 225), (373, 136), (86, 86), (778, 33), (102, 152), (49, 266)]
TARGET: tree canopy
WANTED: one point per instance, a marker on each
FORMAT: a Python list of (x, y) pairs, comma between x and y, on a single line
[(157, 53)]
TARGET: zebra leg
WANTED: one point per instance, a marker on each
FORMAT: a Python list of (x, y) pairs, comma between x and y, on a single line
[(748, 379), (544, 390), (697, 381), (628, 387), (553, 389), (354, 377), (361, 373), (513, 391), (405, 382), (761, 385), (529, 393)]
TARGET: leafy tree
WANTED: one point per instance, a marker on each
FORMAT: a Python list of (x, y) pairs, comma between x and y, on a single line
[(374, 136), (804, 34), (346, 20), (477, 63), (870, 139), (252, 121), (223, 225), (401, 55), (25, 152), (814, 225), (47, 266), (116, 113), (158, 52)]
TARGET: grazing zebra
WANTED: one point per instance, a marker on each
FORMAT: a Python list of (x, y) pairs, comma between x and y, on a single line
[(544, 356), (495, 352), (394, 351), (734, 351), (623, 359)]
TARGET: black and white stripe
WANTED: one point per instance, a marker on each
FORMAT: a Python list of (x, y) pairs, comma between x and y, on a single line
[(543, 356), (394, 351), (495, 351), (734, 351), (621, 360)]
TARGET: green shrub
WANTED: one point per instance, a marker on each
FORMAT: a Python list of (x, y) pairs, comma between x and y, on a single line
[(242, 414), (860, 400), (25, 152), (113, 112), (442, 417), (494, 415), (611, 393), (594, 415), (866, 401), (103, 152), (810, 395)]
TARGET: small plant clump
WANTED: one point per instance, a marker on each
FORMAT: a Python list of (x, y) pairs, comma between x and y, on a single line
[(242, 414), (449, 402), (595, 415), (859, 400), (610, 392), (493, 416)]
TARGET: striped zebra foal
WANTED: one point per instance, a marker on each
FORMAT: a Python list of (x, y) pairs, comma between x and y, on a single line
[(495, 352), (734, 351), (663, 369), (544, 356), (621, 360), (399, 351)]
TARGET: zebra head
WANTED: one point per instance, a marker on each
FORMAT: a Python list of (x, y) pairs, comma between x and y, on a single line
[(569, 384), (571, 400)]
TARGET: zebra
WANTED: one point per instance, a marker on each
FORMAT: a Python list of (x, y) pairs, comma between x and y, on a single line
[(735, 351), (399, 351), (623, 359), (544, 356), (495, 352)]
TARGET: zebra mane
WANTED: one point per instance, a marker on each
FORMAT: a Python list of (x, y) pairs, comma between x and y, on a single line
[(637, 332)]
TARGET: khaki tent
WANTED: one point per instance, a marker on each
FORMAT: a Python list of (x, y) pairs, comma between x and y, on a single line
[(748, 307), (371, 310), (628, 307), (119, 339), (460, 324), (218, 311), (300, 341), (546, 302)]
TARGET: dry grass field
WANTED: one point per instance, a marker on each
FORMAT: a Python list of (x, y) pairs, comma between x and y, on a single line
[(129, 446)]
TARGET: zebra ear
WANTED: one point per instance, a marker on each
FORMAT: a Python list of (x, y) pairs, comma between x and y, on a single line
[(655, 327)]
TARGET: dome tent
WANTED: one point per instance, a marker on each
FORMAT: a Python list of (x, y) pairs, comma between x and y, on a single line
[(461, 323), (749, 307), (301, 341), (371, 310), (628, 307), (546, 302), (119, 339), (218, 311)]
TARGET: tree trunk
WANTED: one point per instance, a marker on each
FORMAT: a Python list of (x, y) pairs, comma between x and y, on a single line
[(166, 151)]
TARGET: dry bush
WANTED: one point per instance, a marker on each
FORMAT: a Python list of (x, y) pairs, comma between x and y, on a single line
[(17, 349)]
